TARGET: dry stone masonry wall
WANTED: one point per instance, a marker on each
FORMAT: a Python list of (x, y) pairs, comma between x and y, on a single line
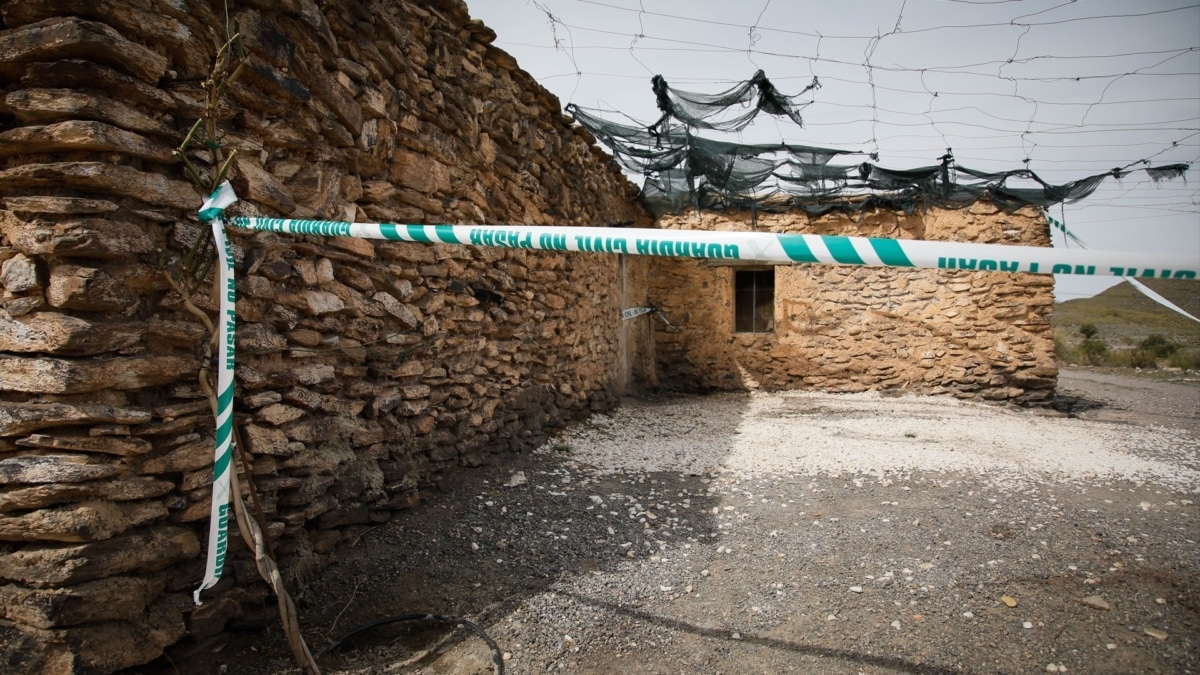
[(366, 368), (968, 334)]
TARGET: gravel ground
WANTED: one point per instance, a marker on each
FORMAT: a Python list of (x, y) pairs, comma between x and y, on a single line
[(793, 533)]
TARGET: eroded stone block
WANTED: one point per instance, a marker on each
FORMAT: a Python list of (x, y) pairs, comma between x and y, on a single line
[(53, 469), (74, 38), (111, 445), (61, 376), (45, 106), (89, 521), (17, 419), (49, 494), (54, 333), (19, 274), (76, 136), (46, 566)]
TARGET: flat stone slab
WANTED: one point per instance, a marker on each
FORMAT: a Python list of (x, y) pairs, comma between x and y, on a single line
[(52, 469), (18, 419), (44, 566)]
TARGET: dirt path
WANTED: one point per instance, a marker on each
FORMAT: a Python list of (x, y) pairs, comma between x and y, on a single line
[(1138, 400), (794, 534)]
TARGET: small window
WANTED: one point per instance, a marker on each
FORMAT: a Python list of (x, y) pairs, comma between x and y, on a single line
[(754, 301)]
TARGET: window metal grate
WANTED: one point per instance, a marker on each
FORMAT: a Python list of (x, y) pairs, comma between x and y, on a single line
[(754, 301)]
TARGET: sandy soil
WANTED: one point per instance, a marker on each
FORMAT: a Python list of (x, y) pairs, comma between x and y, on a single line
[(791, 533)]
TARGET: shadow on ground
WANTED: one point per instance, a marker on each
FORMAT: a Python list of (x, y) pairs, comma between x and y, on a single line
[(579, 572)]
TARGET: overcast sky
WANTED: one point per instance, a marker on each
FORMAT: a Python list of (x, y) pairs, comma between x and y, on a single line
[(1077, 88)]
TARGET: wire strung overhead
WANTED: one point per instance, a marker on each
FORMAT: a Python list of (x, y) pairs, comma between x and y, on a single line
[(1064, 89), (683, 169)]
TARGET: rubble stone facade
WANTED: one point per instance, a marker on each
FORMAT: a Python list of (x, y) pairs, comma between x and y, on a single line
[(366, 368), (978, 335)]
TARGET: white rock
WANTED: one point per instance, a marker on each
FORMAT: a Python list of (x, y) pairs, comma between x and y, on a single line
[(896, 624), (856, 589)]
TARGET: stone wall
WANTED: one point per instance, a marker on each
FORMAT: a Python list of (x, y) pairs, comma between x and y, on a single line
[(974, 335), (366, 368)]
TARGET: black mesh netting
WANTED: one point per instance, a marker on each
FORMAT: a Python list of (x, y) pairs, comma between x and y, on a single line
[(713, 111), (1167, 172), (683, 170)]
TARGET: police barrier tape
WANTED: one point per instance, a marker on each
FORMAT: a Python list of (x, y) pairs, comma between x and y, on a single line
[(1142, 288), (634, 312), (743, 246), (218, 526), (761, 247)]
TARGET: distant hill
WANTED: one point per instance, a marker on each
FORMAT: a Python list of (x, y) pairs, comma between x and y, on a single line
[(1124, 316)]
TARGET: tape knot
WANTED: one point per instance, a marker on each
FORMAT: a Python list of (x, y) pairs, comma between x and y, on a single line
[(217, 202)]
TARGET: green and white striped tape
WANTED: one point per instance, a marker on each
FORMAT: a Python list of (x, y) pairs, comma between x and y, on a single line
[(218, 526), (1061, 227), (1142, 288), (762, 247), (743, 246)]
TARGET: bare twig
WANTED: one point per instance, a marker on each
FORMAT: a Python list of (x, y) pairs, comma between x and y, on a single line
[(269, 570), (360, 535), (349, 602), (187, 303), (253, 492)]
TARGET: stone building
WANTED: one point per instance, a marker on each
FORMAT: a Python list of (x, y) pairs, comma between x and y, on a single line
[(366, 369), (982, 335)]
